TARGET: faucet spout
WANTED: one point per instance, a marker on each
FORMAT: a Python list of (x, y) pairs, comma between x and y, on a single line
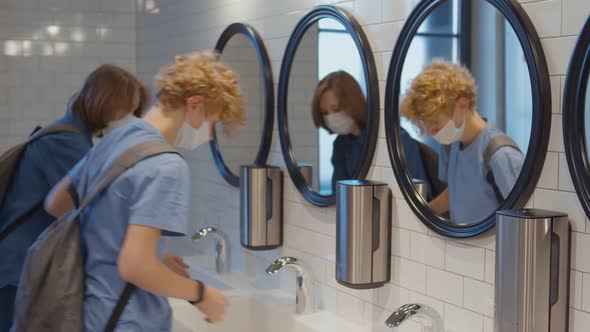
[(408, 310), (222, 254), (304, 300)]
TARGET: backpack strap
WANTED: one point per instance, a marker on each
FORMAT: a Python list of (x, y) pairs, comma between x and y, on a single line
[(57, 128), (125, 161), (496, 143), (119, 307)]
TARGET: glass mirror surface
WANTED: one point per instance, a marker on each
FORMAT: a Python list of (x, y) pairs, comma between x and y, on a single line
[(327, 107), (241, 147), (477, 95)]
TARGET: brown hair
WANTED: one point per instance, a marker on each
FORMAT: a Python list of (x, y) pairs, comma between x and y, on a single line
[(436, 90), (350, 96), (105, 92), (202, 74)]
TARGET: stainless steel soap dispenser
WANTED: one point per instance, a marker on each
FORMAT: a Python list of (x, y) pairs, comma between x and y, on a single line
[(261, 207), (363, 234), (532, 271)]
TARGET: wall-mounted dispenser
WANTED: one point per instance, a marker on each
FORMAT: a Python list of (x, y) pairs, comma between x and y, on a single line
[(307, 172), (532, 271), (421, 187), (261, 207), (363, 234)]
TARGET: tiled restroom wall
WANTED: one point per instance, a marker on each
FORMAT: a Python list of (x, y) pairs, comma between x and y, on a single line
[(46, 49), (455, 277)]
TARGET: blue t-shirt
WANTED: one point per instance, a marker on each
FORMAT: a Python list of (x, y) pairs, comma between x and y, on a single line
[(153, 193), (44, 162), (471, 197)]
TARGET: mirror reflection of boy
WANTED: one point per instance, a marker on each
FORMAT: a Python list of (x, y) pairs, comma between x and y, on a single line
[(479, 162)]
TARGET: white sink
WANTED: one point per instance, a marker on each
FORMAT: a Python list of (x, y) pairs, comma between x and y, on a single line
[(261, 312), (255, 306)]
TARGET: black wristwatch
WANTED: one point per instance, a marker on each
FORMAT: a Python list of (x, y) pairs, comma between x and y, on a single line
[(201, 297)]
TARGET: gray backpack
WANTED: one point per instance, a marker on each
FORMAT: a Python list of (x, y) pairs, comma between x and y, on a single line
[(10, 160), (50, 295)]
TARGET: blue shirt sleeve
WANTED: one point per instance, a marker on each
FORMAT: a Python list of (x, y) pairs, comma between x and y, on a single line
[(506, 165), (56, 154), (159, 189), (75, 174)]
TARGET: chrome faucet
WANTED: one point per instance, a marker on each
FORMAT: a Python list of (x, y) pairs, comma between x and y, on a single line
[(408, 310), (304, 301), (222, 258)]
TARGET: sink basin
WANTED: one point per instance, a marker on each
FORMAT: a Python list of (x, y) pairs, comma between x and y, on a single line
[(261, 312)]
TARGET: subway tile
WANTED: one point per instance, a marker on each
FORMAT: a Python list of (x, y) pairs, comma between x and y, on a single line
[(490, 274), (465, 260), (542, 14), (488, 324), (580, 250), (408, 274), (565, 202), (427, 250), (397, 10), (555, 82), (368, 11), (310, 242), (392, 297), (549, 175), (579, 321), (461, 320), (565, 179), (382, 36), (574, 14), (349, 307), (576, 287), (556, 135), (404, 217), (444, 286), (558, 52), (479, 297), (585, 294), (400, 242)]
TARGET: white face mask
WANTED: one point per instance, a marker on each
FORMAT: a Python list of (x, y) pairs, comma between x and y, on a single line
[(339, 122), (450, 134), (190, 138), (117, 123)]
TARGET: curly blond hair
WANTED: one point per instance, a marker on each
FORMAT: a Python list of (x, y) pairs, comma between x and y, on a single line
[(436, 90), (202, 74)]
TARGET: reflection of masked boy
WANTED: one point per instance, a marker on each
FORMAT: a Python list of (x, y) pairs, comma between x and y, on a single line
[(479, 163)]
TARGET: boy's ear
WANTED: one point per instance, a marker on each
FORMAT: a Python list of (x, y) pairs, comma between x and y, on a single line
[(464, 103)]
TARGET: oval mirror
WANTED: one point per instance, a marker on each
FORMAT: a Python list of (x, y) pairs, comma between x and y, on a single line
[(328, 103), (468, 112), (242, 49), (576, 117)]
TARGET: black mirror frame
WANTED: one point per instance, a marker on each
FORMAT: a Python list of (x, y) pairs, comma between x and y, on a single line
[(269, 99), (574, 99), (368, 62), (541, 124)]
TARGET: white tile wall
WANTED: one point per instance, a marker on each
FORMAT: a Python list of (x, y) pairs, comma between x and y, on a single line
[(46, 49), (455, 277)]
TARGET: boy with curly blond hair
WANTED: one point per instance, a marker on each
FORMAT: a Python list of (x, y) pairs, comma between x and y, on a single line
[(479, 162), (122, 229)]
